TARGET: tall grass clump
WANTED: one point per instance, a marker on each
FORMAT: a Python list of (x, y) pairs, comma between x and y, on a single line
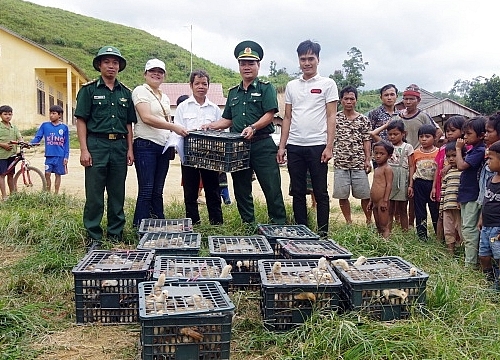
[(42, 239)]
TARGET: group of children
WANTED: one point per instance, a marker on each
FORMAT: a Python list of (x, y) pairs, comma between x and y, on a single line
[(56, 137), (458, 184)]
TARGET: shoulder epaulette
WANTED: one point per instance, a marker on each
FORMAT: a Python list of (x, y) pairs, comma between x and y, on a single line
[(125, 86), (90, 82), (264, 81), (234, 87)]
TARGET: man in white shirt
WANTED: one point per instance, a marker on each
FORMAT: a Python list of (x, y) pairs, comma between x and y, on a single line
[(307, 134)]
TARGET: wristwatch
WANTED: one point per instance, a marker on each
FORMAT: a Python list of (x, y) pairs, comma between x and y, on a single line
[(254, 129)]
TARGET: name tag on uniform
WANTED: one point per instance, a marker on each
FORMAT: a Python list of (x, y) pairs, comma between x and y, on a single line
[(316, 91), (99, 97), (255, 94), (123, 100)]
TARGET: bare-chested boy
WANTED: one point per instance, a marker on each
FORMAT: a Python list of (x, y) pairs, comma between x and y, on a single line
[(381, 187)]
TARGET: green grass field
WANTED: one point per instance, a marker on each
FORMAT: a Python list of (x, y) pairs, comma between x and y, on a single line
[(42, 238)]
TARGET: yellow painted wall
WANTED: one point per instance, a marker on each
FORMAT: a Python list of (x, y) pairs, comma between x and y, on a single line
[(21, 64)]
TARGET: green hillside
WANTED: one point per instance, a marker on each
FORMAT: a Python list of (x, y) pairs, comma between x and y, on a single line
[(78, 38)]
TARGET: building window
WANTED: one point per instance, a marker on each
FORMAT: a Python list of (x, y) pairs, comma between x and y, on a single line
[(40, 97)]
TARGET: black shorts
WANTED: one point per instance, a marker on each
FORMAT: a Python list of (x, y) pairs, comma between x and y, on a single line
[(4, 165)]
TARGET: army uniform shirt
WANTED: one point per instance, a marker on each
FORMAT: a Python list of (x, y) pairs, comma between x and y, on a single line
[(105, 111), (245, 107), (349, 141)]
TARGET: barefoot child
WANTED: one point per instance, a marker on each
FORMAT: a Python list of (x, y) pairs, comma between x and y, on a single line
[(403, 165), (381, 187), (8, 133), (489, 244), (449, 208)]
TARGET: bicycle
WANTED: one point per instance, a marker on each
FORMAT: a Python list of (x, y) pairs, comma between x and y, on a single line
[(33, 179)]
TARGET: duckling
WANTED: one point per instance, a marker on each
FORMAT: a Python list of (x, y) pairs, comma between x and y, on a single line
[(341, 263), (413, 271), (360, 261), (322, 263), (276, 269), (226, 271)]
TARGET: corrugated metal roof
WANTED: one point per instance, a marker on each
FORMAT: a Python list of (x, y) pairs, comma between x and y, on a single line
[(174, 90)]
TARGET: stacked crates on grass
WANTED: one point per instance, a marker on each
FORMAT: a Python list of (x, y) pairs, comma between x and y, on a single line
[(165, 225), (185, 320), (216, 150), (274, 232), (106, 285), (193, 269), (384, 288), (293, 289), (243, 254), (311, 249), (166, 243)]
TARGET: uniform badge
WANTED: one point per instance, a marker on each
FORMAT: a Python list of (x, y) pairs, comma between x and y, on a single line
[(123, 100), (99, 97), (255, 94), (316, 91), (247, 50)]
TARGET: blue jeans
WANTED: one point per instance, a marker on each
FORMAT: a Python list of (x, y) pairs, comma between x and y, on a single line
[(151, 167)]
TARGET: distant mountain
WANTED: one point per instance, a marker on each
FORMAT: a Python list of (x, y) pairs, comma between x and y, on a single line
[(78, 38)]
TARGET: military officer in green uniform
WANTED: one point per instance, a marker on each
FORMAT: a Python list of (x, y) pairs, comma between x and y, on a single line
[(250, 110), (105, 114)]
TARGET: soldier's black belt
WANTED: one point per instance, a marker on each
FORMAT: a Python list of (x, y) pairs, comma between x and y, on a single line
[(256, 138), (108, 136)]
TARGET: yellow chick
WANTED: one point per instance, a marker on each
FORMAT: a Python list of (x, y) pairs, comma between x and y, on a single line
[(413, 271), (276, 270), (322, 263), (394, 292)]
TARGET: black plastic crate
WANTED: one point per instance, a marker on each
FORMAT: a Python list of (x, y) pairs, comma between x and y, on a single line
[(311, 249), (192, 269), (185, 330), (106, 285), (165, 225), (242, 253), (275, 232), (292, 291), (216, 150), (164, 243), (385, 288)]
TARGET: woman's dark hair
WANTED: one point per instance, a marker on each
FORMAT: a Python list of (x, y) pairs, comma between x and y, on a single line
[(181, 99), (476, 124), (456, 122), (349, 89), (427, 129), (386, 145), (396, 124)]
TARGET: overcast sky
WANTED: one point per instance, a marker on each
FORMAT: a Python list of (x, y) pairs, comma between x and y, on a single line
[(428, 42)]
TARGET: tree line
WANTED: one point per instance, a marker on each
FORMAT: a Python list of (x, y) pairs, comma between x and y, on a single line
[(480, 93)]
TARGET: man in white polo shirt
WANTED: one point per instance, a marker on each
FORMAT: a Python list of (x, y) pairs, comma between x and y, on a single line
[(307, 134)]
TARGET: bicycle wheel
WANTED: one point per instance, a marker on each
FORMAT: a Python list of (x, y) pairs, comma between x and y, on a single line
[(32, 181)]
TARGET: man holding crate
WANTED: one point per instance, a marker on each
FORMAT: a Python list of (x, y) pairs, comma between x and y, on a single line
[(250, 110)]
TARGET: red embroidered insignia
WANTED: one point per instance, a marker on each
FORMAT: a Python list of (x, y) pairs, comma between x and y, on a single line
[(316, 91)]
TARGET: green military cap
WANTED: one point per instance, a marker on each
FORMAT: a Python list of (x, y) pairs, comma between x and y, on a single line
[(109, 50), (248, 50)]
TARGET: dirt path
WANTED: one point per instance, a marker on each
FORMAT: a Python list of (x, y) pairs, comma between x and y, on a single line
[(73, 182)]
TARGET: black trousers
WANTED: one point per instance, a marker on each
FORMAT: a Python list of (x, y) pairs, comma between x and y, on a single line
[(300, 159), (422, 191), (191, 181)]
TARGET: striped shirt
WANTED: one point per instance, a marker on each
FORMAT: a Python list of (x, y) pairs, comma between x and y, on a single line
[(449, 190)]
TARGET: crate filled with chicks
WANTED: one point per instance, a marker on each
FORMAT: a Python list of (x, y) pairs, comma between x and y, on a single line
[(165, 225), (185, 320), (293, 288), (106, 285), (242, 253), (311, 249), (172, 244), (384, 288), (193, 269), (216, 150), (275, 232)]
